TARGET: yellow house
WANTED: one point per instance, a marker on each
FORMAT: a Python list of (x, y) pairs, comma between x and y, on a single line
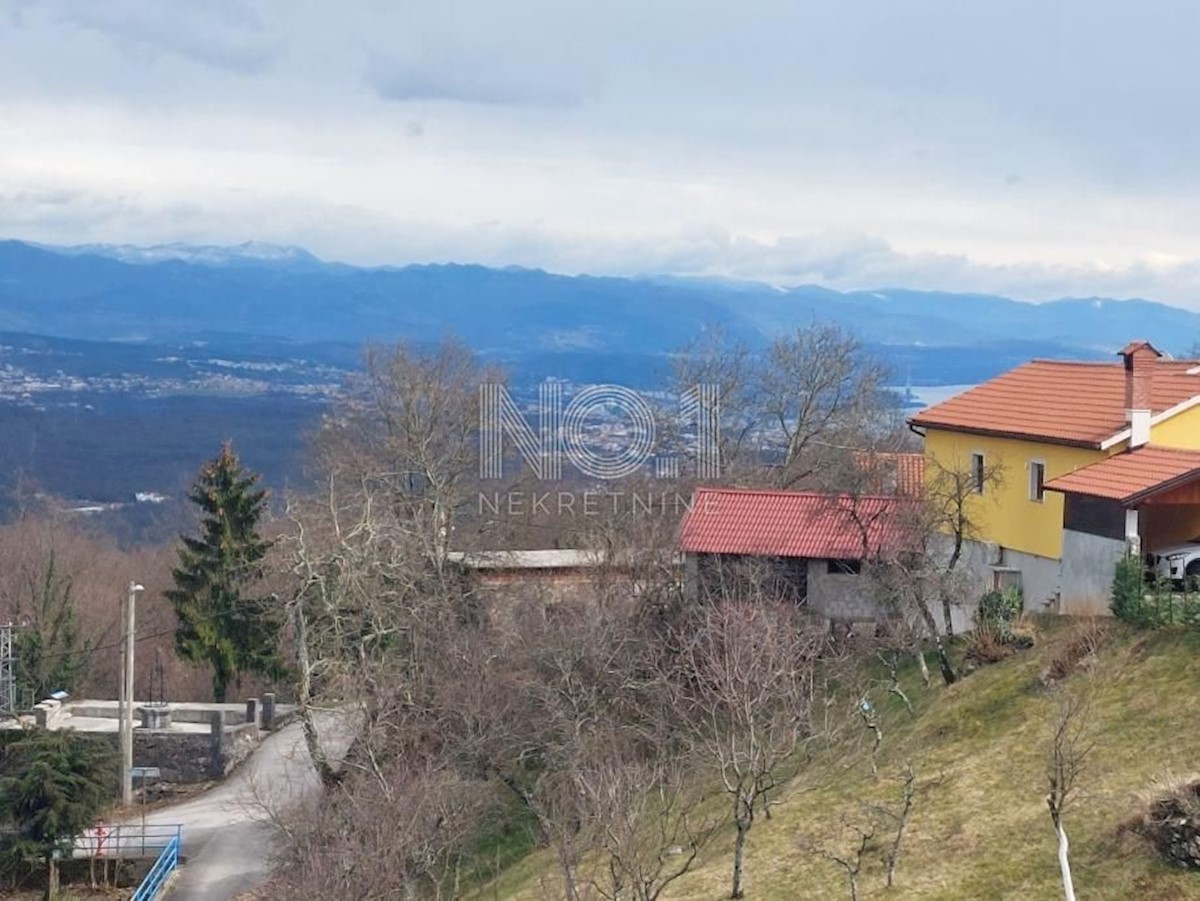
[(1070, 464)]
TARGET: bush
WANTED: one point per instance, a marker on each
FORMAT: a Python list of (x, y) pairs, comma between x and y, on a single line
[(1129, 592), (1172, 823), (1001, 607), (1078, 649), (985, 645)]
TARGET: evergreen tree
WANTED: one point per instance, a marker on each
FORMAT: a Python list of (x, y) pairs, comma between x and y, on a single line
[(51, 654), (53, 786), (219, 622)]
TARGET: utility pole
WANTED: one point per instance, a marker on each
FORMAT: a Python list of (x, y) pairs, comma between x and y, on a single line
[(126, 696), (8, 682)]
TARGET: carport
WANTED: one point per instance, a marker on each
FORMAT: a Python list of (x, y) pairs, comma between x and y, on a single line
[(1137, 501)]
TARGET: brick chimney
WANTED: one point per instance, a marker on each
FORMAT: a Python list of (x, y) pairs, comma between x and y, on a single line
[(1139, 357)]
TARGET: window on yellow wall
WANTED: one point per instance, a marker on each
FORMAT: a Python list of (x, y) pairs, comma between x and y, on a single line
[(1037, 480), (977, 473)]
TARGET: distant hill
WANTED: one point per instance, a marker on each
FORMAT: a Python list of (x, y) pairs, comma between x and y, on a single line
[(537, 321)]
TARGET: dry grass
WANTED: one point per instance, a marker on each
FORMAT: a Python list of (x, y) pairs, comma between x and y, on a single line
[(982, 831)]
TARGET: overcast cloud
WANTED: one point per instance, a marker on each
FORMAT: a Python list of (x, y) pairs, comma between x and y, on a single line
[(1039, 149)]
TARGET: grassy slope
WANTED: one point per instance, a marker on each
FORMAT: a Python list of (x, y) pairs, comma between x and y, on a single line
[(983, 830)]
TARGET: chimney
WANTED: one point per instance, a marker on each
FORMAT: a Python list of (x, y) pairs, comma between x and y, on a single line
[(1139, 357)]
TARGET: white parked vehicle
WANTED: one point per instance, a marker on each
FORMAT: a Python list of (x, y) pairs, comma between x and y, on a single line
[(1177, 562)]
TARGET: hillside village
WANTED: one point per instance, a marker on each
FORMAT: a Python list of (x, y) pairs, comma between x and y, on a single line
[(559, 451), (838, 670)]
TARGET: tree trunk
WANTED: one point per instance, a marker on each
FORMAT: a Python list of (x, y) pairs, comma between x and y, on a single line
[(739, 859), (1064, 863), (948, 674), (312, 740), (51, 877), (924, 667), (947, 616)]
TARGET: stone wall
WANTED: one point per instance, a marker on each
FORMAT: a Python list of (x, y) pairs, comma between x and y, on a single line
[(182, 756), (237, 744), (187, 757)]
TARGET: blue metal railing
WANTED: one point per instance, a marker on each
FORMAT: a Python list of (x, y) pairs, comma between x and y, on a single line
[(156, 880)]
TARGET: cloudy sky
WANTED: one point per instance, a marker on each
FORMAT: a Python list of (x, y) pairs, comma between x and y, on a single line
[(1029, 147)]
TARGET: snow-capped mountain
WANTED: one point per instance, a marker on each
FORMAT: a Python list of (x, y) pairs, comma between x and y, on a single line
[(255, 252)]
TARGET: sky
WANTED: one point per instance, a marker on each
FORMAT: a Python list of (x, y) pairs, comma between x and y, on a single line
[(1035, 149)]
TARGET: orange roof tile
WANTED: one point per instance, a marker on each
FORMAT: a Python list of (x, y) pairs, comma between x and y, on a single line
[(892, 472), (1132, 476), (792, 524), (1062, 402)]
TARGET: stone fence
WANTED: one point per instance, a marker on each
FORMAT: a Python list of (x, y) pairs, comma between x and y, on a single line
[(187, 742)]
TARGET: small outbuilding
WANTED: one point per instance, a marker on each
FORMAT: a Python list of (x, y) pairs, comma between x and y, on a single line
[(808, 547)]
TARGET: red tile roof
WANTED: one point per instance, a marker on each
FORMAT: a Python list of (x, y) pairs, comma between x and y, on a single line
[(1062, 402), (1132, 476), (792, 524), (892, 472)]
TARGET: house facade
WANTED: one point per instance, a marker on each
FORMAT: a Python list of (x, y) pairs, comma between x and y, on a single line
[(1071, 464)]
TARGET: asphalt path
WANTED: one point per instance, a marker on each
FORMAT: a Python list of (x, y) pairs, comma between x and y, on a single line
[(227, 836)]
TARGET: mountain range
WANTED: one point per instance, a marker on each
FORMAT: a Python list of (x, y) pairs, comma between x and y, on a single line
[(539, 322), (122, 368)]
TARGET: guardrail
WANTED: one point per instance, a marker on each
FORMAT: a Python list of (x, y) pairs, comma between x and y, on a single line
[(160, 874), (127, 840)]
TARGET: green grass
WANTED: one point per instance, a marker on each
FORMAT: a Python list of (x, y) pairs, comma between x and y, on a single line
[(980, 829)]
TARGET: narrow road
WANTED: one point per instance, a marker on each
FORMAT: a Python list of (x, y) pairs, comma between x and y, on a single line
[(226, 840)]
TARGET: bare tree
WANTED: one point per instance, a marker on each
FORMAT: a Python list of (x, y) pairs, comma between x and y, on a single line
[(789, 413), (652, 826), (952, 493), (730, 369), (924, 576), (898, 818), (748, 681), (1070, 746), (409, 424), (851, 862), (818, 387)]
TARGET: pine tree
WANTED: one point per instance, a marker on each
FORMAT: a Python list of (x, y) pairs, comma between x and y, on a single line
[(219, 623), (51, 654), (53, 786)]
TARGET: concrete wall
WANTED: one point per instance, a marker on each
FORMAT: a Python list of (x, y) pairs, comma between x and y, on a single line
[(839, 596), (1080, 583), (234, 714), (1087, 572)]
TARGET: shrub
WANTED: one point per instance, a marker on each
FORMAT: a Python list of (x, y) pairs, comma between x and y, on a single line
[(1022, 633), (1171, 822), (1001, 607), (1129, 592), (985, 645), (1078, 649)]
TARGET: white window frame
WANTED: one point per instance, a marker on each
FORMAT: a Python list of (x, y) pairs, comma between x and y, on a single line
[(1032, 485)]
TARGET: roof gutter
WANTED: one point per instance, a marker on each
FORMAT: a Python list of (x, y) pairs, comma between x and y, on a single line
[(999, 433)]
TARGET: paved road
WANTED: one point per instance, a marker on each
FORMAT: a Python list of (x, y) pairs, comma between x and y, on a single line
[(226, 841)]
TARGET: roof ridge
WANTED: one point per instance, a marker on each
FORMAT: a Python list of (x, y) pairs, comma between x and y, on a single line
[(783, 492), (1109, 363), (1156, 449)]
